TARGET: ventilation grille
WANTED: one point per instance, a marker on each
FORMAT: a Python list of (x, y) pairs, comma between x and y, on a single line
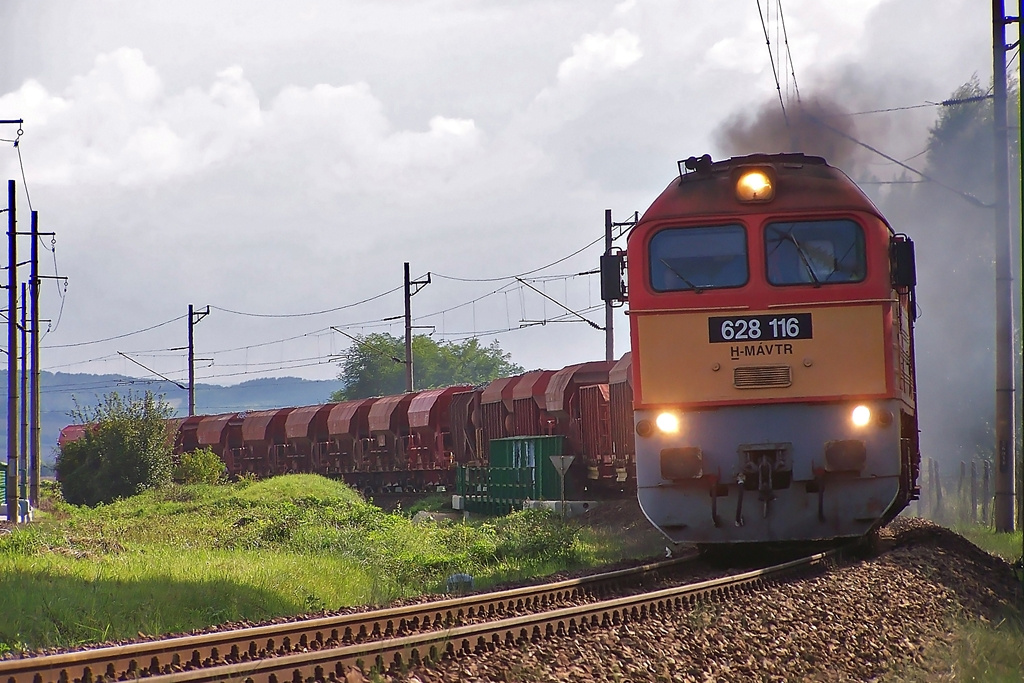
[(762, 377)]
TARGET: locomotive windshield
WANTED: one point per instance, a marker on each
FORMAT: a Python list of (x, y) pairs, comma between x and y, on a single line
[(814, 252), (699, 258)]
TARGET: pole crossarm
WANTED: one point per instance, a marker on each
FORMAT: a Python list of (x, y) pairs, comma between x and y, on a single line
[(163, 377), (556, 301)]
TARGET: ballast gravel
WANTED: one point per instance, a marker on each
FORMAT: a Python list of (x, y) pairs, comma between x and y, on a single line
[(862, 621)]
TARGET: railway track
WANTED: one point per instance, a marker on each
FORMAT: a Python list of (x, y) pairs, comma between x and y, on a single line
[(323, 649)]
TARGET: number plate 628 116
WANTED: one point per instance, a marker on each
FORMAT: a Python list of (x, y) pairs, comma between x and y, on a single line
[(750, 328)]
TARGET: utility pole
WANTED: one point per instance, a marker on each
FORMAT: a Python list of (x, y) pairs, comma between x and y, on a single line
[(609, 317), (34, 442), (193, 318), (12, 356), (1005, 454), (609, 237), (1020, 245), (408, 330), (23, 398), (409, 292)]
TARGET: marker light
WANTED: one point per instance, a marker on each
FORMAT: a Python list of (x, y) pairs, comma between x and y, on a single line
[(668, 423), (861, 416), (755, 185)]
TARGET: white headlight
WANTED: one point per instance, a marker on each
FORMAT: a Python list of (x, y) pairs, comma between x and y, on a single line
[(668, 423), (861, 416)]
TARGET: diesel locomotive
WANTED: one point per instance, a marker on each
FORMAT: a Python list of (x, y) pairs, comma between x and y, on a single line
[(769, 394), (771, 310)]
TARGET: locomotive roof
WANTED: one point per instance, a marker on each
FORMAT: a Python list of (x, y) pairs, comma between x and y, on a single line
[(706, 187)]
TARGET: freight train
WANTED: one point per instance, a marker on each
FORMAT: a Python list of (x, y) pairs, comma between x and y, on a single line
[(769, 394), (415, 441), (771, 311)]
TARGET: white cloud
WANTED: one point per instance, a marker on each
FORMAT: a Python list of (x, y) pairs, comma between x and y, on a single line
[(598, 53), (118, 77), (32, 103), (624, 7), (738, 54), (118, 124)]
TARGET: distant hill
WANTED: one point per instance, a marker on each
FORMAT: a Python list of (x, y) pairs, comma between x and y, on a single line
[(58, 392)]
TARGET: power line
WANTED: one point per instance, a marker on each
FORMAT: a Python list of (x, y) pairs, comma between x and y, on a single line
[(377, 322), (589, 322), (891, 109), (282, 367), (528, 272), (306, 315), (120, 336), (323, 330), (789, 55), (771, 57), (21, 164), (180, 386), (966, 195)]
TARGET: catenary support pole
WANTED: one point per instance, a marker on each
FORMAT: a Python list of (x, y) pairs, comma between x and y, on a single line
[(12, 355), (1005, 452), (194, 317), (191, 363), (408, 331), (23, 376), (35, 465), (1019, 428), (609, 312)]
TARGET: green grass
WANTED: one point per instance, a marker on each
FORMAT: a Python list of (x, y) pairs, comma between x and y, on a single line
[(188, 557), (991, 652), (980, 651), (1001, 544)]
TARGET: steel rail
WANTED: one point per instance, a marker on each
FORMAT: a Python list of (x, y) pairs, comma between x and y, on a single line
[(151, 657), (332, 664)]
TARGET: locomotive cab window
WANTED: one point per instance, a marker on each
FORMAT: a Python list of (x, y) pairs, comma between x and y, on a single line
[(699, 258), (814, 252)]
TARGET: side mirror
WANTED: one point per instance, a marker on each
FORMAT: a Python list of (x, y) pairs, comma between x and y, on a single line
[(903, 265), (613, 265)]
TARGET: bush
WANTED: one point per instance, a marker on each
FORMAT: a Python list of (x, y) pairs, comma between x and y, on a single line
[(126, 450), (201, 466)]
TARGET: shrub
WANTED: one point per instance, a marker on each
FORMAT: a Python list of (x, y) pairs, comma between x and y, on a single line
[(126, 450), (201, 466)]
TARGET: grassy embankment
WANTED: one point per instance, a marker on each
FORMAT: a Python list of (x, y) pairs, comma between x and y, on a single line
[(991, 652), (189, 557)]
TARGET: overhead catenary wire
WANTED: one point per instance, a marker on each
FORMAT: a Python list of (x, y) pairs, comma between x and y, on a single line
[(517, 275), (771, 57), (17, 143), (119, 336), (309, 314), (966, 195), (375, 322), (789, 55)]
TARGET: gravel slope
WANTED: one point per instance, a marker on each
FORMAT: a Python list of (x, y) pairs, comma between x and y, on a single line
[(877, 619)]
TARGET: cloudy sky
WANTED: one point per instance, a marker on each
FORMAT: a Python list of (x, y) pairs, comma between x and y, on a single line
[(278, 160)]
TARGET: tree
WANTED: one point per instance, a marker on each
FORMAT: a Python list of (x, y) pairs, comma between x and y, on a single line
[(126, 449), (955, 246), (375, 365), (960, 143)]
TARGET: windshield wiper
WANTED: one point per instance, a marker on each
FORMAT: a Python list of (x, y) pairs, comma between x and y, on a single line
[(695, 288), (803, 257)]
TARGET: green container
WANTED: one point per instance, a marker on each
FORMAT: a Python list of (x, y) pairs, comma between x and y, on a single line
[(520, 470), (521, 464)]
